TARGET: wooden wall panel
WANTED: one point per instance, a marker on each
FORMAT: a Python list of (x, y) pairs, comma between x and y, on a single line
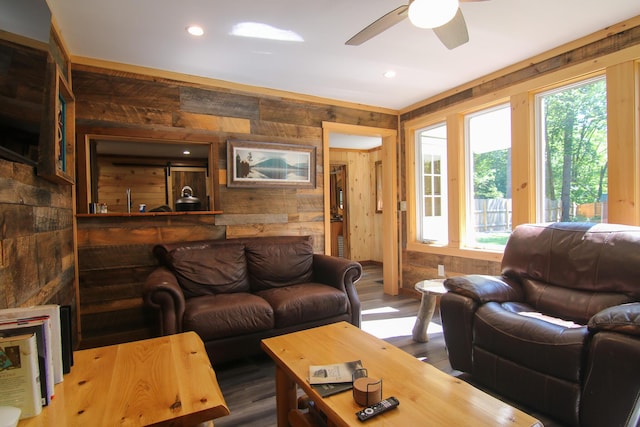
[(146, 181), (142, 106), (114, 259), (37, 262), (418, 266), (364, 226)]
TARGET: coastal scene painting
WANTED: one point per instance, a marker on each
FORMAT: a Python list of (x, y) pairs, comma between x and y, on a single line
[(251, 164)]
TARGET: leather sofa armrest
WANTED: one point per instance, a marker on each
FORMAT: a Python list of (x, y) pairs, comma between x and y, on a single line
[(342, 274), (162, 292), (623, 318), (482, 288)]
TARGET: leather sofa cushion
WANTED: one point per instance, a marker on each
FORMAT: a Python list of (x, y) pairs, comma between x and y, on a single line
[(296, 304), (549, 395), (210, 270), (224, 315), (567, 303), (534, 343), (278, 265)]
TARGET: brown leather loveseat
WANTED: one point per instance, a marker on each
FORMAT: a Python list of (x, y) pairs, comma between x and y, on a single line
[(559, 330), (235, 292)]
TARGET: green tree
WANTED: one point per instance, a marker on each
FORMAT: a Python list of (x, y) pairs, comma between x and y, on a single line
[(575, 122), (491, 174)]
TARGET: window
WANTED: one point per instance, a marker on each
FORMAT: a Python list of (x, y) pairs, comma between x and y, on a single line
[(571, 137), (431, 184), (488, 141)]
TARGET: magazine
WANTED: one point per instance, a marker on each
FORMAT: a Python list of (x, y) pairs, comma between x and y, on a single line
[(330, 389), (334, 373)]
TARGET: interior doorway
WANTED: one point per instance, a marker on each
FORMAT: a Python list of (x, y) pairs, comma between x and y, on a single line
[(389, 234), (339, 200)]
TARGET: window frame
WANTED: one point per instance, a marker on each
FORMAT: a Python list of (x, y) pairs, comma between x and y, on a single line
[(419, 187), (539, 130), (469, 175), (622, 71)]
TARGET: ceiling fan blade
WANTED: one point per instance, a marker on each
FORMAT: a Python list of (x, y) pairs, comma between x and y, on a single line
[(454, 33), (382, 24)]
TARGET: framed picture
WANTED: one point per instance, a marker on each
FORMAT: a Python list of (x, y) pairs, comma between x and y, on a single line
[(57, 135), (378, 167), (266, 164)]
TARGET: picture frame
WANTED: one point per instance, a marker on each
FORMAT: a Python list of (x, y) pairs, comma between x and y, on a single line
[(378, 173), (253, 164), (56, 162)]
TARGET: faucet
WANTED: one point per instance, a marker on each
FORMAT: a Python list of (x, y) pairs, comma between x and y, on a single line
[(128, 200)]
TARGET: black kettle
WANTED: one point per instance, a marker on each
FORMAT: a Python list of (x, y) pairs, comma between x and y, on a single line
[(187, 201)]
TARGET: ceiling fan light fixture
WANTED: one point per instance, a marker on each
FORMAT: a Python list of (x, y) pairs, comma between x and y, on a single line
[(432, 13)]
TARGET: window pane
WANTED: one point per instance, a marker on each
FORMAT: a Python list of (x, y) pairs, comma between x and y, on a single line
[(572, 152), (488, 139), (428, 206), (431, 149), (428, 189)]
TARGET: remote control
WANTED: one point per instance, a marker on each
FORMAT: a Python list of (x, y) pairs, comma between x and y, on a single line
[(378, 408)]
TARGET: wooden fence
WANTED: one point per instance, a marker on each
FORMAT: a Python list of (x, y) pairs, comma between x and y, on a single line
[(494, 215)]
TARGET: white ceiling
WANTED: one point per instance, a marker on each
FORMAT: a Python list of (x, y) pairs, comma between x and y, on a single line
[(151, 33)]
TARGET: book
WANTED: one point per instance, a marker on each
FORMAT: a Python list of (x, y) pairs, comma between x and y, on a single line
[(41, 327), (67, 338), (54, 313), (329, 389), (20, 374), (333, 373)]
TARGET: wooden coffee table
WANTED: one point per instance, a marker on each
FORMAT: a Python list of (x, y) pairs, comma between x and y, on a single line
[(427, 395)]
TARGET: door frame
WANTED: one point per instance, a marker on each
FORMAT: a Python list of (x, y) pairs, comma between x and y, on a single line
[(390, 255)]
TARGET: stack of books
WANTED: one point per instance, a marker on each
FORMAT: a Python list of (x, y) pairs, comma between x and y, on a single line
[(35, 352)]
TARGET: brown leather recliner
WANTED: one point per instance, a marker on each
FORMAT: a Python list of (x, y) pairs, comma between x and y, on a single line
[(559, 330)]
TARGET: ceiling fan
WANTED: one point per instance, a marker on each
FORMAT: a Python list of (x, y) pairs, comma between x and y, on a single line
[(449, 26)]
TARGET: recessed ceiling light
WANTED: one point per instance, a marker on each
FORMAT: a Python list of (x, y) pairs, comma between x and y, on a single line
[(195, 30), (389, 74), (186, 152), (264, 31)]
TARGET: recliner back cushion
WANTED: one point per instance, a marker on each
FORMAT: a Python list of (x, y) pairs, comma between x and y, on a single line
[(582, 256), (275, 263), (220, 268)]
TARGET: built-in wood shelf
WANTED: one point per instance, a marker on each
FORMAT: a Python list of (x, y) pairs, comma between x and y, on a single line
[(145, 214)]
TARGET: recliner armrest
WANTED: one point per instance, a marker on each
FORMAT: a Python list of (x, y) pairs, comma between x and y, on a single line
[(483, 288), (623, 318), (162, 292)]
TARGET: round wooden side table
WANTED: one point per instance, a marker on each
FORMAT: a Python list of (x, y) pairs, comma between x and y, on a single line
[(429, 289)]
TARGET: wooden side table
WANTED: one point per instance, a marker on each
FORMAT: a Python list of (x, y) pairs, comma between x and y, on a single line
[(429, 289)]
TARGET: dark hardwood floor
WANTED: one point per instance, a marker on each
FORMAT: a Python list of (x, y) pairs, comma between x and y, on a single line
[(248, 385)]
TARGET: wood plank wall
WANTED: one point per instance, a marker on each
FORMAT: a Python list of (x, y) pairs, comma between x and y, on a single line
[(36, 227), (113, 266), (37, 261), (114, 259), (149, 183)]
